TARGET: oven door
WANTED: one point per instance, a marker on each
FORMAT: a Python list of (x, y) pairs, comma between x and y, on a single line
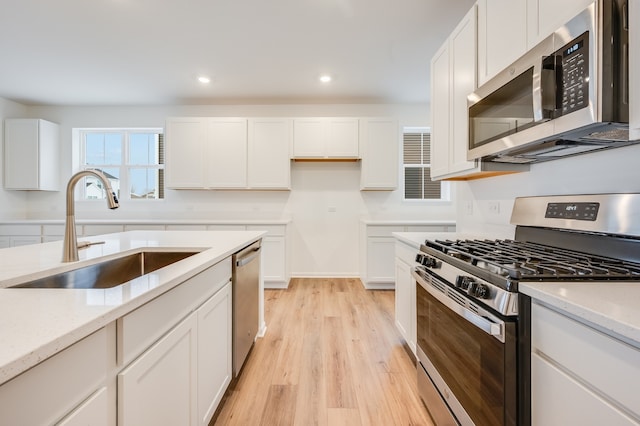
[(467, 353)]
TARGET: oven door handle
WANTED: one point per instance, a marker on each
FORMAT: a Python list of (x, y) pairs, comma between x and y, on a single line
[(492, 328), (489, 327)]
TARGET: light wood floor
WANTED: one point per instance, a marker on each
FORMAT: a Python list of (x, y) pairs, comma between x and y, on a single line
[(331, 356)]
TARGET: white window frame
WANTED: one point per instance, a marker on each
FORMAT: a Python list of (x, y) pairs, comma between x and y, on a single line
[(124, 167), (445, 187)]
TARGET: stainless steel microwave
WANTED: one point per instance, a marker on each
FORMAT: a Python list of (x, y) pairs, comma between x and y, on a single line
[(568, 95)]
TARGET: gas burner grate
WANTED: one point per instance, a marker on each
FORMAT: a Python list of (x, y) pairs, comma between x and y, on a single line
[(533, 261)]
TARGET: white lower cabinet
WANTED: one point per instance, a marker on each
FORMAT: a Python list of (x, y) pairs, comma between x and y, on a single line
[(275, 255), (214, 353), (406, 294), (159, 388), (69, 388), (377, 254), (176, 353), (580, 375)]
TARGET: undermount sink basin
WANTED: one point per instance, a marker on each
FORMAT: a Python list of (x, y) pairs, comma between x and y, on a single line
[(109, 273)]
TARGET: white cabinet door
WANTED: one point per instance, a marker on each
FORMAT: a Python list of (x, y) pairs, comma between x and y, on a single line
[(159, 387), (546, 16), (185, 159), (326, 137), (214, 352), (440, 112), (92, 412), (342, 138), (31, 152), (559, 399), (453, 73), (309, 137), (379, 145), (269, 156), (502, 35), (463, 83), (634, 69), (273, 259), (226, 152), (404, 302), (380, 259)]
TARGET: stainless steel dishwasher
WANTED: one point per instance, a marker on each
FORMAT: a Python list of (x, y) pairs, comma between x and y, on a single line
[(245, 293)]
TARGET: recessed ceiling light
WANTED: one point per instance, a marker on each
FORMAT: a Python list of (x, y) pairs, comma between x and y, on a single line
[(325, 78), (204, 80)]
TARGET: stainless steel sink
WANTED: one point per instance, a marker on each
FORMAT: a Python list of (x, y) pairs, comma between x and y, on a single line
[(109, 273)]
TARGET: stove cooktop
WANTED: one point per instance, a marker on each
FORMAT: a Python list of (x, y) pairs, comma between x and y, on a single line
[(528, 261)]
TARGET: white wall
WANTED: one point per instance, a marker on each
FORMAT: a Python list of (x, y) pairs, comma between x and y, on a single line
[(13, 204), (613, 171), (323, 242)]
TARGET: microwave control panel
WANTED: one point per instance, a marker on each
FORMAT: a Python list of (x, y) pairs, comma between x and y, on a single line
[(574, 60)]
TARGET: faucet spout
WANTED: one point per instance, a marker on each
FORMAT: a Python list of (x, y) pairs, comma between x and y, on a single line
[(70, 247)]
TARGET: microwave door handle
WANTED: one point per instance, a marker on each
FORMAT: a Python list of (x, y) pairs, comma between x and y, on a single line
[(536, 88)]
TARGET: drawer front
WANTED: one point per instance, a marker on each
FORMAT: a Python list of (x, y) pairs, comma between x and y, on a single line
[(384, 231), (101, 229), (141, 328), (406, 253), (557, 399), (604, 363), (143, 227), (273, 230), (58, 230), (53, 388), (11, 230), (221, 227)]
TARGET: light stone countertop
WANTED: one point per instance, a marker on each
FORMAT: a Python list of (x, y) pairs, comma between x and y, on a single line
[(283, 221), (37, 323)]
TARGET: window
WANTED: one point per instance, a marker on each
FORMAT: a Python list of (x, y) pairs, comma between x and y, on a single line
[(417, 170), (132, 160)]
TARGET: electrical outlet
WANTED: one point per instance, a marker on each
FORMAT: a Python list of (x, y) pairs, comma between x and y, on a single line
[(469, 208), (494, 207), (332, 209)]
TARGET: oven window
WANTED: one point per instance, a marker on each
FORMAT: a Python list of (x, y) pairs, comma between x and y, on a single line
[(506, 111), (471, 362)]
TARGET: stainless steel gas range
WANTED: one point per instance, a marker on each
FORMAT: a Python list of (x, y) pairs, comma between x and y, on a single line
[(473, 324)]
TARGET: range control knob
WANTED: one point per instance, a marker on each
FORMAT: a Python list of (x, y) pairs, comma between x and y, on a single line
[(463, 282), (482, 291), (427, 261)]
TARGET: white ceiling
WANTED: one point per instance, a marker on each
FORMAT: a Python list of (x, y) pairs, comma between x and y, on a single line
[(149, 52)]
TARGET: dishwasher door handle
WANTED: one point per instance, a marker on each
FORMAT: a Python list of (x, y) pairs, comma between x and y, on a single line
[(248, 258)]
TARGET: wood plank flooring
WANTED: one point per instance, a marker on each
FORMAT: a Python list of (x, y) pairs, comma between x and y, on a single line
[(331, 356)]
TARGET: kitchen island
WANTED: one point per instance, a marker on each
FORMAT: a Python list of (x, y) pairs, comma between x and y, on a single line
[(40, 326)]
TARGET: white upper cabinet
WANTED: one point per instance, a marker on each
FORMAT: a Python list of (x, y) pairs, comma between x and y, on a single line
[(325, 137), (379, 145), (440, 112), (502, 35), (453, 71), (185, 146), (226, 157), (269, 156), (31, 154), (228, 153), (546, 16), (634, 69)]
